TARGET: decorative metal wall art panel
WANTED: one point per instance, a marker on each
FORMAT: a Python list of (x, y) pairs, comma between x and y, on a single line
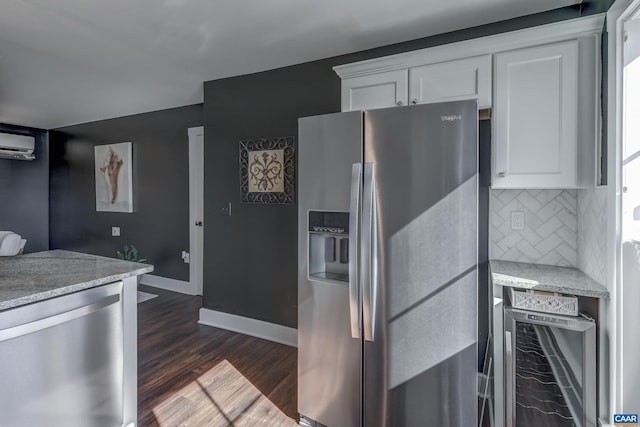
[(267, 170)]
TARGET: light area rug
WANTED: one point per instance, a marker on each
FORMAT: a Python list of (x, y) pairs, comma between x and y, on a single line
[(145, 296)]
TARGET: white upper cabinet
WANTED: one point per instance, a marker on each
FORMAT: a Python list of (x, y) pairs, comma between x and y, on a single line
[(535, 133), (546, 116), (542, 84), (444, 81), (375, 91), (452, 81)]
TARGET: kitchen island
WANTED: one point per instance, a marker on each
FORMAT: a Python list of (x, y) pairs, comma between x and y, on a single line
[(68, 340)]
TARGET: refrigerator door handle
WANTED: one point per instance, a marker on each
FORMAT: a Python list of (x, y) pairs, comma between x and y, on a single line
[(369, 252), (355, 305)]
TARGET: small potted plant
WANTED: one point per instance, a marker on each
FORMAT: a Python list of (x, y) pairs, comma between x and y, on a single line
[(129, 253)]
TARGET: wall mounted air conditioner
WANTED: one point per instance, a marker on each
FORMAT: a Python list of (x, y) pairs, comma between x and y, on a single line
[(17, 147)]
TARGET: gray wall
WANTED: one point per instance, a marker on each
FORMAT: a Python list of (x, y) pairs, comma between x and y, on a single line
[(24, 192), (250, 258), (159, 225)]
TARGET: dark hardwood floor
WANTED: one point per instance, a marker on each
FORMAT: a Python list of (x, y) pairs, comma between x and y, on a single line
[(194, 375)]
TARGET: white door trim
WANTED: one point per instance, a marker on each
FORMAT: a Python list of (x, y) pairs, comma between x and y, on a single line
[(618, 13), (196, 208)]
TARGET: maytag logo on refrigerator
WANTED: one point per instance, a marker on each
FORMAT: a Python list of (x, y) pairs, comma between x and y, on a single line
[(625, 419)]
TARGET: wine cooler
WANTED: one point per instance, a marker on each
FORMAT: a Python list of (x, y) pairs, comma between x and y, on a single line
[(550, 370)]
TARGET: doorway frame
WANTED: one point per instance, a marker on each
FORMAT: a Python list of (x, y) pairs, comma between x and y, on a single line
[(612, 376)]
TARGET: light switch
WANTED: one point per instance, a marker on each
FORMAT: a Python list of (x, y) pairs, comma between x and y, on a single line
[(115, 231), (225, 210)]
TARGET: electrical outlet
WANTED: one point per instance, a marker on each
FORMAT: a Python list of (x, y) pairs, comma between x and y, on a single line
[(517, 220), (186, 257), (115, 231)]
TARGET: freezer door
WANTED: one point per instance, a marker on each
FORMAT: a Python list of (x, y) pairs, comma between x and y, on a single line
[(329, 357), (420, 349)]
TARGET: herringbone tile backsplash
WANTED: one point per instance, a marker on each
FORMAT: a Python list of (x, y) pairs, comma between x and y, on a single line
[(551, 226), (592, 233)]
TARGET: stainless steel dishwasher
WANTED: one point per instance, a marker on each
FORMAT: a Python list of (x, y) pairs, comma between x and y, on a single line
[(64, 360)]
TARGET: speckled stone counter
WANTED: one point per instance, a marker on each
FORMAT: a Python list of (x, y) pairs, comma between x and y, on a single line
[(43, 275), (565, 280)]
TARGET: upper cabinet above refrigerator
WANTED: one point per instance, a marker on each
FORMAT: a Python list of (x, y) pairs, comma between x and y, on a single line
[(452, 81), (378, 90), (433, 82)]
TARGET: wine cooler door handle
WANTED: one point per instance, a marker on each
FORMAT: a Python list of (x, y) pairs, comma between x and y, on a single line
[(355, 303), (509, 381), (369, 280)]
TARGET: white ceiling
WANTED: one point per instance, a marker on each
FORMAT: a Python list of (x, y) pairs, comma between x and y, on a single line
[(64, 62)]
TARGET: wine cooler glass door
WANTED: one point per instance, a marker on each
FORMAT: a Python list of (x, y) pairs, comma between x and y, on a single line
[(550, 367)]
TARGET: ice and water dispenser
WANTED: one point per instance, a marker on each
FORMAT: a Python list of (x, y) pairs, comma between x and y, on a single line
[(328, 246)]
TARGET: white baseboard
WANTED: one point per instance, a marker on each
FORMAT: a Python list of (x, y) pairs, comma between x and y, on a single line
[(245, 325), (167, 284)]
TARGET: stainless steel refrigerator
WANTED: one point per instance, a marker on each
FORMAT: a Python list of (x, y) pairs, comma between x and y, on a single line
[(388, 267)]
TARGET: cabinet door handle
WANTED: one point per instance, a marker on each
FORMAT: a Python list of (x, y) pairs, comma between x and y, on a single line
[(502, 174), (399, 103), (415, 100)]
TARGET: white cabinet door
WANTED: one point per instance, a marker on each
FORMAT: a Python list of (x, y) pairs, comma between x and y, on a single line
[(452, 81), (536, 104), (375, 91)]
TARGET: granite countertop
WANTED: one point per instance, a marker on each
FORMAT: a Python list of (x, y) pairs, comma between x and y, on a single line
[(39, 276), (565, 280)]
